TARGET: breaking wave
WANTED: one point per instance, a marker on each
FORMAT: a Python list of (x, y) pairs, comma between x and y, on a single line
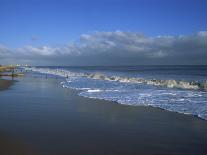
[(193, 85), (56, 72)]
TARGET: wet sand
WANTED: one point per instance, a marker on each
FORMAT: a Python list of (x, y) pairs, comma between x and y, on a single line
[(8, 144), (56, 121), (5, 84), (13, 146)]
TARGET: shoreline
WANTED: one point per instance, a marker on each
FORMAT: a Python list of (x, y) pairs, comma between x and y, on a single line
[(5, 84), (138, 106), (145, 106), (54, 116)]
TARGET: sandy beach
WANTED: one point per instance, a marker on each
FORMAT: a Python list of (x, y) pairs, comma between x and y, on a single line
[(41, 115)]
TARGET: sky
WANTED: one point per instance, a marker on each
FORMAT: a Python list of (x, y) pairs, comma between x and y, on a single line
[(103, 32)]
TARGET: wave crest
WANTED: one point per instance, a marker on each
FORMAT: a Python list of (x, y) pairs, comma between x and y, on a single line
[(193, 85)]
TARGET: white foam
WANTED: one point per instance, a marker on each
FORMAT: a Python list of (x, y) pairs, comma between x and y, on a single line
[(93, 90), (192, 85), (57, 72)]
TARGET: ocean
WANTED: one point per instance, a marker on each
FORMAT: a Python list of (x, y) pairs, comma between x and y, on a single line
[(181, 89)]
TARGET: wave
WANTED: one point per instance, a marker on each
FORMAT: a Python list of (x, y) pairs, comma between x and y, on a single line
[(57, 72), (193, 85)]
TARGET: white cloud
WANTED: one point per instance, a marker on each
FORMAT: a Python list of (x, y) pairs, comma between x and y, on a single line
[(116, 48), (30, 50)]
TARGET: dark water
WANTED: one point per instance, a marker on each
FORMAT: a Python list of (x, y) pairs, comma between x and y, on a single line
[(55, 121)]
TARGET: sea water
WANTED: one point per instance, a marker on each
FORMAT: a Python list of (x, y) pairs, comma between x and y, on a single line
[(181, 89)]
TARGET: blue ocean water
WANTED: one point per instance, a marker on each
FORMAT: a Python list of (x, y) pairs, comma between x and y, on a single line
[(181, 89)]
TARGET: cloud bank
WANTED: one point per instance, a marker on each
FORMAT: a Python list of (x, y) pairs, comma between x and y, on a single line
[(115, 48)]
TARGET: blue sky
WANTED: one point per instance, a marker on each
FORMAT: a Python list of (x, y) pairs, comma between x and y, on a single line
[(103, 32), (55, 22)]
